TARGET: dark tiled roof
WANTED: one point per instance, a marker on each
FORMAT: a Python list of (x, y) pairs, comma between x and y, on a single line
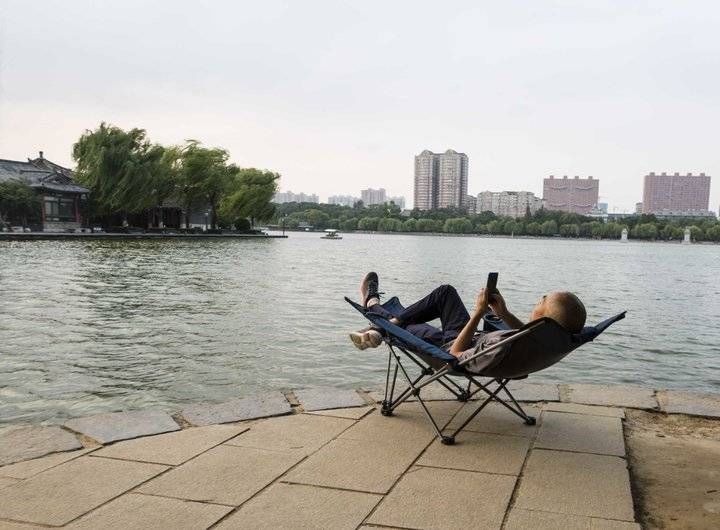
[(38, 175)]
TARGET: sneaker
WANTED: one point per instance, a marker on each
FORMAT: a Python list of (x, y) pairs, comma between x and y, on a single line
[(366, 339), (369, 288)]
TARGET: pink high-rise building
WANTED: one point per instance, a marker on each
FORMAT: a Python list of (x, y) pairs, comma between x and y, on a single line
[(574, 195), (676, 193)]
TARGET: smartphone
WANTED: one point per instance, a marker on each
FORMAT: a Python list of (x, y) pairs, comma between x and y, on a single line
[(492, 283)]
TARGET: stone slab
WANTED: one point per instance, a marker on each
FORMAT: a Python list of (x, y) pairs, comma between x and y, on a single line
[(133, 511), (115, 426), (574, 408), (354, 413), (533, 391), (19, 443), (432, 392), (576, 484), (172, 448), (399, 428), (29, 468), (580, 433), (474, 451), (611, 395), (323, 398), (360, 465), (298, 506), (224, 475), (519, 519), (436, 408), (692, 403), (304, 433), (63, 493), (7, 481), (260, 406), (420, 500), (7, 525), (495, 418)]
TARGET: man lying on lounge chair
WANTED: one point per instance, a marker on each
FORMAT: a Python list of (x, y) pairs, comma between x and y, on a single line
[(459, 335)]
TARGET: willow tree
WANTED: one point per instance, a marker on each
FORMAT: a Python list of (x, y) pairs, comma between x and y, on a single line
[(119, 167), (250, 195), (204, 178), (17, 201)]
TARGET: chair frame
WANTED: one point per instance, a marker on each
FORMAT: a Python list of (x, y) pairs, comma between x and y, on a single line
[(444, 376)]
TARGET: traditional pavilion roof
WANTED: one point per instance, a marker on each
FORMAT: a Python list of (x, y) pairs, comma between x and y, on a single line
[(40, 174)]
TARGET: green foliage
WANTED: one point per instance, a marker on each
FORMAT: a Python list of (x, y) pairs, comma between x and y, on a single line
[(122, 169), (570, 230), (458, 225), (250, 195), (533, 229), (242, 223), (410, 225), (368, 223), (388, 224), (387, 218), (644, 231), (18, 201), (349, 225), (549, 228)]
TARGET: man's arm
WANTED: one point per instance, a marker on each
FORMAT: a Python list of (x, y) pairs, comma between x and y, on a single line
[(464, 339), (497, 304)]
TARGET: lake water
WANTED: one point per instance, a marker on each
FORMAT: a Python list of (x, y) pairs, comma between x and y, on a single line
[(95, 326)]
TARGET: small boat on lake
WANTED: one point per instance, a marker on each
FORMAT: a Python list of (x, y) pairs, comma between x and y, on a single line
[(331, 233)]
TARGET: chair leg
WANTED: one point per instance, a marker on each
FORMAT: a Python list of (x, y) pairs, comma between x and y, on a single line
[(416, 392), (515, 408)]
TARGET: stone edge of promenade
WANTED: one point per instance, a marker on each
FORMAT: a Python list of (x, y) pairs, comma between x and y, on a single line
[(25, 442)]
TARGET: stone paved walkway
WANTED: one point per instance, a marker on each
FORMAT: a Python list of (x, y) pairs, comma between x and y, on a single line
[(339, 468)]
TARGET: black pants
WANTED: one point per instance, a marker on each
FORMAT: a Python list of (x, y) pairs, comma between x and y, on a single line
[(443, 303)]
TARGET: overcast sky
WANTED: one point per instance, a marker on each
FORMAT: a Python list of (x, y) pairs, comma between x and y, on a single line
[(339, 96)]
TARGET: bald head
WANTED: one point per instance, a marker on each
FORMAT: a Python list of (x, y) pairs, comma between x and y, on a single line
[(564, 308)]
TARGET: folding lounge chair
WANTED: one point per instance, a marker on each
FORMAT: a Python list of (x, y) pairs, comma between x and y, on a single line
[(534, 347)]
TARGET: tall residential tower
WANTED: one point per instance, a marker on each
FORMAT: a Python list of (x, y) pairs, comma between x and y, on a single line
[(571, 195), (679, 194), (441, 180)]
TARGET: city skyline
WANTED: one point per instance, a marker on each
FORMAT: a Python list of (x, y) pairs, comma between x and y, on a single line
[(614, 90)]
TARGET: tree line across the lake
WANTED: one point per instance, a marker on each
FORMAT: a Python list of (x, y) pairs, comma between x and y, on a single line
[(388, 218), (128, 174)]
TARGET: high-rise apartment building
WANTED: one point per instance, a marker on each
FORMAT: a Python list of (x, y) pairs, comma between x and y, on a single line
[(676, 194), (343, 200), (574, 195), (371, 196), (441, 180), (508, 203), (289, 196)]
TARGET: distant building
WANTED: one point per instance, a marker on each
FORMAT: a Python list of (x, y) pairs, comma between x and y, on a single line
[(371, 196), (676, 193), (684, 214), (61, 199), (508, 203), (603, 207), (574, 195), (343, 200), (399, 201), (470, 204), (441, 180), (289, 196), (638, 208)]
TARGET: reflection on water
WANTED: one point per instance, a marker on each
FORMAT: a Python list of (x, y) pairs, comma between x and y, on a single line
[(95, 326)]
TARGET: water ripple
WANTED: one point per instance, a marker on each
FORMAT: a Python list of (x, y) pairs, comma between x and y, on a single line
[(95, 326)]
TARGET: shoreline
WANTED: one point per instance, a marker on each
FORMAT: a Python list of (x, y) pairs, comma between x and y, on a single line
[(51, 236), (505, 236)]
